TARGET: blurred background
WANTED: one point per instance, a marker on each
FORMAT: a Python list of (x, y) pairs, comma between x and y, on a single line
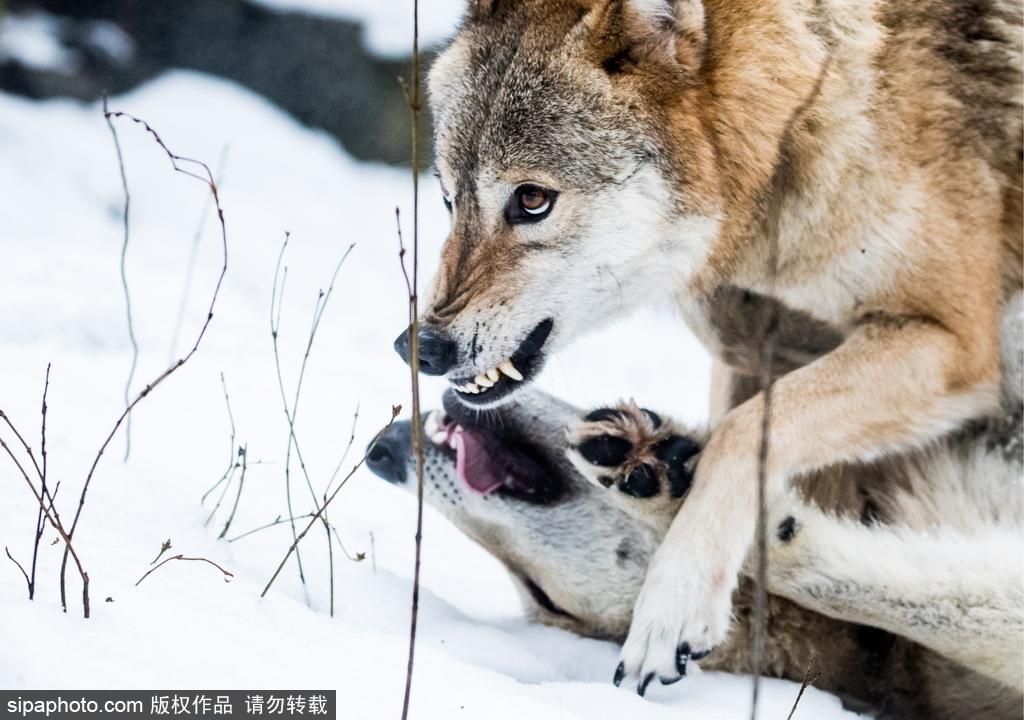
[(331, 65)]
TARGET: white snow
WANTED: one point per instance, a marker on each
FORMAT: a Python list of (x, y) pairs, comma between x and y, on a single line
[(184, 627)]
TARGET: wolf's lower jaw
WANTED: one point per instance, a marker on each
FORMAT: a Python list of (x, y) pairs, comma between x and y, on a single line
[(515, 370)]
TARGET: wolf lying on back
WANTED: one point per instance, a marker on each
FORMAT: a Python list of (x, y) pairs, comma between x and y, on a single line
[(602, 154), (901, 583)]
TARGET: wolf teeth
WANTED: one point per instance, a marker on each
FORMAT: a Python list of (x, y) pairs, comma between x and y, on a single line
[(486, 380), (510, 370)]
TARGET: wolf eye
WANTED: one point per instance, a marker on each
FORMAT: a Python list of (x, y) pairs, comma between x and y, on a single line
[(447, 199), (529, 203)]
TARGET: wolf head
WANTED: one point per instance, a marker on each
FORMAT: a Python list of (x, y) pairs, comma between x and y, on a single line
[(580, 178), (503, 479)]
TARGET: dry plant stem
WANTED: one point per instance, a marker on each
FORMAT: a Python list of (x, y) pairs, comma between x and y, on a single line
[(23, 573), (807, 682), (190, 268), (243, 453), (191, 559), (275, 523), (773, 226), (177, 163), (163, 548), (43, 490), (275, 324), (330, 498), (124, 280), (414, 347), (54, 521), (344, 454), (291, 412), (232, 454)]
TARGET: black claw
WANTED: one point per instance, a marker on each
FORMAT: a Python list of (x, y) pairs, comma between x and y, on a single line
[(676, 452), (641, 483), (605, 450), (682, 658), (671, 681), (620, 672), (642, 687), (654, 418), (602, 414), (700, 655)]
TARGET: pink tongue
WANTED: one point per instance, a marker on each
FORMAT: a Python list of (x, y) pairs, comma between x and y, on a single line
[(473, 463)]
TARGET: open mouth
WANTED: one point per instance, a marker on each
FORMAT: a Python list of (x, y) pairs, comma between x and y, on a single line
[(503, 379), (487, 463)]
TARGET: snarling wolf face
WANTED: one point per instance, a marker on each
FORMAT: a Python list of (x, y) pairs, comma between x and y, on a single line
[(578, 174), (503, 479)]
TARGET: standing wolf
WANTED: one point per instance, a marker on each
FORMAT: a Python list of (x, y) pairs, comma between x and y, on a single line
[(601, 154)]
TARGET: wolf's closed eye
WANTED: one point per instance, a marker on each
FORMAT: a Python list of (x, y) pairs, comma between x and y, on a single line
[(529, 203)]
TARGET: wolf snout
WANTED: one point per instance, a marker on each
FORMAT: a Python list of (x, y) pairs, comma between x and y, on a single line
[(389, 457), (437, 352)]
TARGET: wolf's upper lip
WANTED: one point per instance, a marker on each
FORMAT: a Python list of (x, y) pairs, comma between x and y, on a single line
[(518, 367)]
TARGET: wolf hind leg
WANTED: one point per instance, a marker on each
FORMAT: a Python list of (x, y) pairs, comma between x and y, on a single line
[(956, 593)]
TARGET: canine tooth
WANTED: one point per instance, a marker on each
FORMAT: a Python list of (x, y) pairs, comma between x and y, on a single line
[(509, 369), (483, 381), (493, 374)]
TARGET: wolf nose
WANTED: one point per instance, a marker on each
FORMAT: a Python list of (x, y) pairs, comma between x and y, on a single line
[(437, 351), (387, 459)]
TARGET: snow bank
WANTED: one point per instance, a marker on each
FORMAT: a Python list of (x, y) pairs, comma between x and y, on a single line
[(184, 626)]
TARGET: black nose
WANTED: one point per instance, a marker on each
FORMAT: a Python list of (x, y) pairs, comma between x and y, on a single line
[(437, 351), (389, 457)]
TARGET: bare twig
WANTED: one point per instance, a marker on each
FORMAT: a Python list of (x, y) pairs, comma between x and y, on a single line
[(163, 548), (807, 682), (316, 516), (178, 163), (344, 454), (23, 573), (54, 521), (44, 491), (414, 346), (242, 453), (773, 227), (277, 521), (193, 255), (152, 570), (291, 410), (124, 279), (232, 454)]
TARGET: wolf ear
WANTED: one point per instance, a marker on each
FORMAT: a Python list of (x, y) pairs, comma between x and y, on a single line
[(670, 31)]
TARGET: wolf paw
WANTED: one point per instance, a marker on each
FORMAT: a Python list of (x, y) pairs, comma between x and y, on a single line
[(635, 451)]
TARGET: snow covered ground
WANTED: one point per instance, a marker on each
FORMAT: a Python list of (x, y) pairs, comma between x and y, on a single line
[(61, 302)]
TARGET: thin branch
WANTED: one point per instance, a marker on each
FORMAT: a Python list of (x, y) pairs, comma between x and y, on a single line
[(163, 548), (807, 682), (773, 228), (124, 279), (152, 570), (44, 491), (316, 516), (54, 521), (193, 256), (414, 347), (277, 521), (242, 453), (344, 454), (177, 162), (23, 573), (232, 461)]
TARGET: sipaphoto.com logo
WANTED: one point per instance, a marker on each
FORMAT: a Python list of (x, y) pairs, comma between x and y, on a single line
[(81, 705), (158, 704)]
